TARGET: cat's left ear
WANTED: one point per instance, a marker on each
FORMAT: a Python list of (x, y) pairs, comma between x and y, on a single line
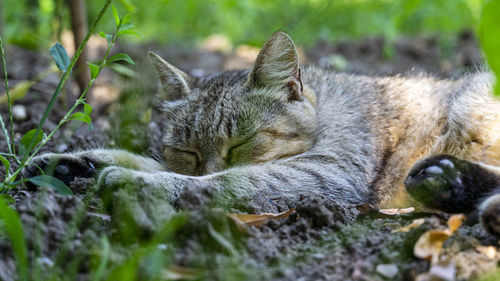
[(278, 65), (175, 83)]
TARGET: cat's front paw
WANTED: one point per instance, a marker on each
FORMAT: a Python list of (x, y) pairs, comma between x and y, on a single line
[(65, 167), (444, 182), (114, 178), (138, 201)]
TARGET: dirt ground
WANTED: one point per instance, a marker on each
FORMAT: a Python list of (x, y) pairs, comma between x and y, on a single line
[(319, 240)]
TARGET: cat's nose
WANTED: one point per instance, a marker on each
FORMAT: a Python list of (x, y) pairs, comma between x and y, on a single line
[(212, 165)]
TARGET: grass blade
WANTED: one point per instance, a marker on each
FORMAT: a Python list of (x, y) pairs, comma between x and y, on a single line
[(15, 232), (4, 67)]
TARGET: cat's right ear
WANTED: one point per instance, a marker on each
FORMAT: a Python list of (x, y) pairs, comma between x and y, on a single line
[(175, 83), (278, 65)]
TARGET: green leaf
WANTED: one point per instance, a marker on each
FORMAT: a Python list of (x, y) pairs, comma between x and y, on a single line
[(7, 199), (127, 26), (121, 57), (60, 56), (15, 233), (87, 108), (104, 253), (94, 70), (222, 240), (6, 163), (50, 181), (18, 91), (128, 5), (126, 19), (122, 69), (115, 15), (130, 32), (489, 25), (80, 116), (108, 37), (26, 140)]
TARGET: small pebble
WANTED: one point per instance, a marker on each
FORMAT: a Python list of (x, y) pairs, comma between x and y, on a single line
[(162, 247), (61, 148), (387, 270), (45, 261), (318, 256), (19, 112)]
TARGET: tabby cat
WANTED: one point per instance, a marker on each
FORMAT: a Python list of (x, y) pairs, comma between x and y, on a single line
[(259, 139)]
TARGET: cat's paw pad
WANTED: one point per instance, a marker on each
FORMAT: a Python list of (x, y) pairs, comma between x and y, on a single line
[(440, 182), (64, 167)]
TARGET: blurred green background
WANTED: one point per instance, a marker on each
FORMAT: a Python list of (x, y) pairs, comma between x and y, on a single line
[(35, 23)]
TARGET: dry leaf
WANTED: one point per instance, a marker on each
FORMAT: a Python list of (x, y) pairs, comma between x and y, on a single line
[(180, 273), (455, 221), (259, 220), (364, 208), (393, 212), (430, 243), (414, 224)]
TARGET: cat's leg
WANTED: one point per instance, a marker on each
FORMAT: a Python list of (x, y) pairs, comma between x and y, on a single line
[(85, 164), (453, 185), (267, 187)]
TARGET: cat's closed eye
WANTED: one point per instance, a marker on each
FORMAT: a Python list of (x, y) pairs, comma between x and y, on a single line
[(182, 160)]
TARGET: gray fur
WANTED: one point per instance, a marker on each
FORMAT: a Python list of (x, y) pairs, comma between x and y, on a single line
[(352, 138)]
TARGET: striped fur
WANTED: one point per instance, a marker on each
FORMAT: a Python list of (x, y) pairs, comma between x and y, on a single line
[(264, 137)]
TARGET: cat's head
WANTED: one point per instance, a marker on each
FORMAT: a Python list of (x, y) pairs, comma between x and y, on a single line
[(237, 117)]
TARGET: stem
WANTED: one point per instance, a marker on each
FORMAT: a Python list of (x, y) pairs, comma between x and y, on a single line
[(63, 80), (56, 94), (4, 67), (79, 101)]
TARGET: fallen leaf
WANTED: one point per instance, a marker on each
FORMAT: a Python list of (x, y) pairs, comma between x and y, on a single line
[(394, 212), (21, 89), (259, 220), (180, 273), (414, 224), (455, 221), (430, 243), (364, 208)]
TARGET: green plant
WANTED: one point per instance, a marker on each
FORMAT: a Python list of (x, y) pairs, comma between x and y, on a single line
[(35, 139), (489, 25)]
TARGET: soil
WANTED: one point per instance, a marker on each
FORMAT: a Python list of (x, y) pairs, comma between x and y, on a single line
[(68, 236)]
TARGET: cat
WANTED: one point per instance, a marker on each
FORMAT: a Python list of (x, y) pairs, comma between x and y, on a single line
[(259, 139)]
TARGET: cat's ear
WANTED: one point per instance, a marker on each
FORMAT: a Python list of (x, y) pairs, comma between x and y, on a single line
[(175, 83), (278, 65)]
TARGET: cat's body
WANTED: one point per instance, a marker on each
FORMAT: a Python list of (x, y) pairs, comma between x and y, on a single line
[(260, 139)]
